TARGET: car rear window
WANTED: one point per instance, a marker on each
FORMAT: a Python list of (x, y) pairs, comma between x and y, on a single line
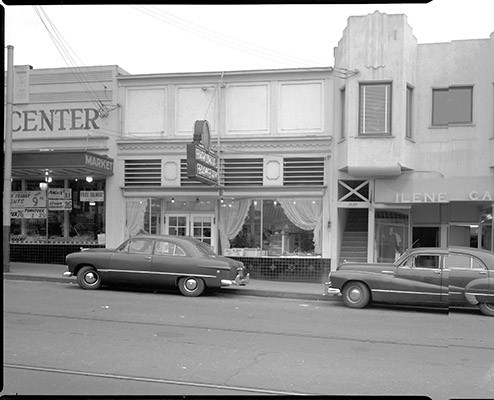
[(205, 249)]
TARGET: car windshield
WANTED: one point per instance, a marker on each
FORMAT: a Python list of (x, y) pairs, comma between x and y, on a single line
[(205, 249)]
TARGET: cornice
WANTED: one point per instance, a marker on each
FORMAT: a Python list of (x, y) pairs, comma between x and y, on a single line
[(245, 145)]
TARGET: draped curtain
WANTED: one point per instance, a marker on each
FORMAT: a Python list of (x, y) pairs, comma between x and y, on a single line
[(136, 208), (305, 214), (231, 221)]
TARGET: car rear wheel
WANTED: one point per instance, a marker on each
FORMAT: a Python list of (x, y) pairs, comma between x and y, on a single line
[(191, 286), (356, 295), (487, 309), (88, 278)]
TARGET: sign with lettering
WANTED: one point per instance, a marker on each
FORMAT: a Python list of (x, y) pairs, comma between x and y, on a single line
[(28, 199), (92, 195), (202, 164), (29, 213), (64, 119), (59, 205), (59, 194), (103, 163), (422, 188)]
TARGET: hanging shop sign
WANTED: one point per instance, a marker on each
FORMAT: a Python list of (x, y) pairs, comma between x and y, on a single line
[(202, 162)]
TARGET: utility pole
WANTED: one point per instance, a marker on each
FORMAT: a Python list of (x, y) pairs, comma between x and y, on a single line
[(7, 171)]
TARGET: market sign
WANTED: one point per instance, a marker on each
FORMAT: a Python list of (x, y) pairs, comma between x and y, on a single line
[(202, 162)]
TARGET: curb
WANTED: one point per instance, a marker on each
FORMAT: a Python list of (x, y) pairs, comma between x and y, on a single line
[(235, 292)]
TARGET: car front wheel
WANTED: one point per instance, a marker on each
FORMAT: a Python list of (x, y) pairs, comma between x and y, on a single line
[(191, 286), (88, 278), (487, 309), (356, 295)]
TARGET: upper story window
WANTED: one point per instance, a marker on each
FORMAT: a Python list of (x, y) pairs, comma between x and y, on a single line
[(409, 116), (453, 105), (375, 109)]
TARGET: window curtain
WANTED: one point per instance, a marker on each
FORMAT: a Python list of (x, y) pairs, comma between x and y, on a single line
[(136, 208), (307, 215), (231, 221)]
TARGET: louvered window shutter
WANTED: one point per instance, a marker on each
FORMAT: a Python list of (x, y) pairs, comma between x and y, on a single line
[(375, 109)]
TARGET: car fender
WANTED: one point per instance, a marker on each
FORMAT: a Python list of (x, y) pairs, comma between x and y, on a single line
[(480, 291), (99, 260), (373, 279)]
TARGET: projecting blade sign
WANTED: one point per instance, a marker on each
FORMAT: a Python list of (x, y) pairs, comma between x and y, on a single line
[(202, 162)]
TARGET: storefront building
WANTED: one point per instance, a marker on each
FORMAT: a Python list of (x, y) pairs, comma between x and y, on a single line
[(267, 201), (295, 170), (414, 148), (64, 125)]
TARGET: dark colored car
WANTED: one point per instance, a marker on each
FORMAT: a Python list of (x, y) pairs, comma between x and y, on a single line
[(454, 276), (157, 260)]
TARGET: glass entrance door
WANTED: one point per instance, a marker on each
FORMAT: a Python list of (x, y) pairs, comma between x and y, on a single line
[(199, 226)]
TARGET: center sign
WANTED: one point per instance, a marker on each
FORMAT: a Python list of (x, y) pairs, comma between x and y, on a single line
[(202, 163)]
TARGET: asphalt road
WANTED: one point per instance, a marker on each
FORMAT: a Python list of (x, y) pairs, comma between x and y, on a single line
[(62, 340)]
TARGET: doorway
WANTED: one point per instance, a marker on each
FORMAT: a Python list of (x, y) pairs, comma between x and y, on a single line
[(199, 226), (426, 236)]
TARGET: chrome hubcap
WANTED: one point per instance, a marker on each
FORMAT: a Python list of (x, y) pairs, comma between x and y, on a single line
[(191, 284), (354, 294), (91, 278)]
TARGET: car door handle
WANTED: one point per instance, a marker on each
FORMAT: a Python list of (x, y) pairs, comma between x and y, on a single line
[(437, 272), (148, 257), (482, 272)]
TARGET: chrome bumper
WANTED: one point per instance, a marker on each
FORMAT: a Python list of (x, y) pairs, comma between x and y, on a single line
[(330, 291), (67, 274), (239, 281)]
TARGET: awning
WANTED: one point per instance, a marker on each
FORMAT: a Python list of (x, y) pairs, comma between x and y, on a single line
[(64, 164), (373, 171)]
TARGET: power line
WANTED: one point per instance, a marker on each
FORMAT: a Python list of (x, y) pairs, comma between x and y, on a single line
[(236, 44)]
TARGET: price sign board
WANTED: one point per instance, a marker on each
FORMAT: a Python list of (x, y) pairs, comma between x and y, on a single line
[(28, 213), (28, 199), (55, 204), (59, 194)]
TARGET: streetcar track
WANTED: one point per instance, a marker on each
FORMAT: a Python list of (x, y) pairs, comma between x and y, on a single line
[(151, 380), (284, 334)]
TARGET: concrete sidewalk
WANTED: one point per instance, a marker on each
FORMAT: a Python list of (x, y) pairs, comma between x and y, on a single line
[(256, 287)]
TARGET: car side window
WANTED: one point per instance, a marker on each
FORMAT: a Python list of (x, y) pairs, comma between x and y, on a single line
[(431, 261), (163, 248), (463, 261), (144, 246), (427, 261)]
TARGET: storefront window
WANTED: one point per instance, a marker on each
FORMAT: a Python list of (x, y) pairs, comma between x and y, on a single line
[(391, 234), (76, 212), (279, 228)]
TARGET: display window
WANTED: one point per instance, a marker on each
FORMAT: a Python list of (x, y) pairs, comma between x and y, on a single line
[(272, 227), (391, 234), (63, 211)]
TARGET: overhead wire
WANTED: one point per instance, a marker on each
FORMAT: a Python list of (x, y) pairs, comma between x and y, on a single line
[(234, 43), (63, 48)]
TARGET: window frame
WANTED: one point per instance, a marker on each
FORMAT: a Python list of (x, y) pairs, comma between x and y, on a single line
[(388, 105), (449, 98)]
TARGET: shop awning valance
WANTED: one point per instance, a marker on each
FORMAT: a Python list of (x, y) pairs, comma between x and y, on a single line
[(60, 164)]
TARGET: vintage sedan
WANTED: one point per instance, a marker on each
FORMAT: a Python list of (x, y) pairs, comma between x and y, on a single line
[(179, 261), (443, 277)]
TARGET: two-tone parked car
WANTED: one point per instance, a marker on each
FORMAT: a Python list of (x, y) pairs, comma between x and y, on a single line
[(179, 261), (444, 277)]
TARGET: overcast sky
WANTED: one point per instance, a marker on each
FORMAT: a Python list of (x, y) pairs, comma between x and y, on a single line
[(185, 38)]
